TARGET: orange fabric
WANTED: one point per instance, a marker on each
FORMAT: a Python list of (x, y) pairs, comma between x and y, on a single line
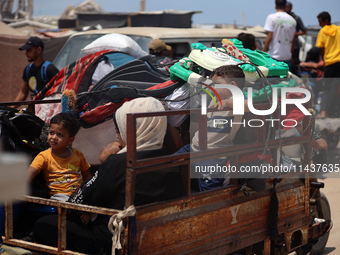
[(62, 175)]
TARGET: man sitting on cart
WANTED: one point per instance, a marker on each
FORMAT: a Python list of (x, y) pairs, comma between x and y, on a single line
[(221, 135)]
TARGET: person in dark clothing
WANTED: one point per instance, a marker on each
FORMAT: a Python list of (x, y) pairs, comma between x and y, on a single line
[(37, 74), (248, 40), (314, 68), (107, 187), (300, 30)]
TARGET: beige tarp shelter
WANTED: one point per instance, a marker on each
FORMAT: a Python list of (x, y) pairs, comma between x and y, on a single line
[(12, 62)]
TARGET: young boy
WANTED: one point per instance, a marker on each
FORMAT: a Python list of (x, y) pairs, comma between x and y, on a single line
[(64, 168), (222, 135), (219, 134)]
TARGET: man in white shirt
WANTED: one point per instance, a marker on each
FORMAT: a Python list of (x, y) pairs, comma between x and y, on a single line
[(280, 29)]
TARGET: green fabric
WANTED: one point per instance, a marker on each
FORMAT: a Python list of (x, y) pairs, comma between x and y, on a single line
[(261, 96), (261, 58)]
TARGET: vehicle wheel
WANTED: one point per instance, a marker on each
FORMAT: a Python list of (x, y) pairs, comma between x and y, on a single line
[(321, 244), (318, 248), (331, 138)]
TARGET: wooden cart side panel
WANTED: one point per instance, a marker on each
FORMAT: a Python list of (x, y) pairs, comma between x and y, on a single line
[(224, 224)]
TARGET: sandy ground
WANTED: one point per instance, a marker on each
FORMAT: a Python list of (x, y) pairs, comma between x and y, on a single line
[(332, 191)]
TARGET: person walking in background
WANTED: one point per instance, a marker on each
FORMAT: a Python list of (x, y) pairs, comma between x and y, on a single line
[(300, 30), (37, 74), (314, 68), (313, 59), (328, 41), (280, 29), (248, 40)]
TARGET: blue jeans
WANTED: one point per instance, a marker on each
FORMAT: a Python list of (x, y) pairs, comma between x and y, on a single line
[(206, 182)]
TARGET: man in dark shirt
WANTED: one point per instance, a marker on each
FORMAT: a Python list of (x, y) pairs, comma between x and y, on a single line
[(37, 74), (300, 30)]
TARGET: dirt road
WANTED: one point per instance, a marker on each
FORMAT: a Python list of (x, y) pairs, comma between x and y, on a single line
[(332, 191)]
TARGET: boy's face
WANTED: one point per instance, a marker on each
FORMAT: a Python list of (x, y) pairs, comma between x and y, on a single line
[(323, 23), (220, 80), (59, 137), (223, 92)]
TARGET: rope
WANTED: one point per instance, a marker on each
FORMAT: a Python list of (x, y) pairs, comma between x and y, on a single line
[(273, 216), (243, 188), (116, 227)]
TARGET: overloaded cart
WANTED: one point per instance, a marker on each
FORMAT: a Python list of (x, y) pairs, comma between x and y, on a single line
[(289, 213)]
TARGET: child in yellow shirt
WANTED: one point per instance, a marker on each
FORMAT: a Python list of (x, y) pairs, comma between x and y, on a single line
[(63, 167)]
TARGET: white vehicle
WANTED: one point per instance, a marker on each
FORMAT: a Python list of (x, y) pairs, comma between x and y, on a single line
[(179, 38)]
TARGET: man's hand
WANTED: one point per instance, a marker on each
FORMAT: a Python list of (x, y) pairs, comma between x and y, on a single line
[(23, 93), (111, 148), (85, 217), (319, 144), (228, 103), (267, 41)]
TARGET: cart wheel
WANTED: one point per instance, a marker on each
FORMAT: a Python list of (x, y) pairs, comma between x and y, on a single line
[(318, 247), (326, 210), (331, 138)]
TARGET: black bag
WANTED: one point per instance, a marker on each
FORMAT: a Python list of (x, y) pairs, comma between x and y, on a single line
[(22, 132)]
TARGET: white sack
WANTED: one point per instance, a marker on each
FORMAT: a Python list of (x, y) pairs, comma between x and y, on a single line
[(118, 42)]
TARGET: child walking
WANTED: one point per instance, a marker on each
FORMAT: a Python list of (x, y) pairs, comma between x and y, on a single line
[(63, 167)]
